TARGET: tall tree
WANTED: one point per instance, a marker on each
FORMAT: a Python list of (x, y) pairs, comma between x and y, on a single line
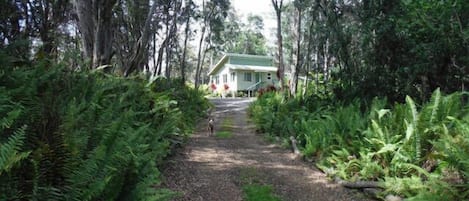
[(170, 14), (95, 25), (187, 15), (207, 13), (171, 32), (298, 4), (278, 7)]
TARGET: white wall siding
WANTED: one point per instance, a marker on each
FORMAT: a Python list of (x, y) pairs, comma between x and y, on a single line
[(243, 85), (233, 83)]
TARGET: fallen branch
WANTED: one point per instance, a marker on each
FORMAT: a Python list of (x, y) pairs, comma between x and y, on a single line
[(293, 144), (359, 184), (373, 192), (371, 188)]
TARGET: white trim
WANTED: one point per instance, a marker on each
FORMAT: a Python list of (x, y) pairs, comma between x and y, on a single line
[(253, 68)]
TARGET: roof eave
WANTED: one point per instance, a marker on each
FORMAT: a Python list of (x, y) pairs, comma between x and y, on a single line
[(248, 55)]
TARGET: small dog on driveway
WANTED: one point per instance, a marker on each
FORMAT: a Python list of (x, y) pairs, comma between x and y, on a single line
[(211, 124)]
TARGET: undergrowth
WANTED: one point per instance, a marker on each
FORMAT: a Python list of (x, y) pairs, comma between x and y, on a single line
[(418, 151), (88, 135)]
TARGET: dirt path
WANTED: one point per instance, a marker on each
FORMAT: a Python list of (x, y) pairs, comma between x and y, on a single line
[(212, 169)]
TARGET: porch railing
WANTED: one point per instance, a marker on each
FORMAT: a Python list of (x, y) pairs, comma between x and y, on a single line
[(253, 87)]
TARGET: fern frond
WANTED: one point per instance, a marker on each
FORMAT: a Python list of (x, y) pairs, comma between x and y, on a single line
[(8, 120), (10, 151), (435, 104), (415, 120)]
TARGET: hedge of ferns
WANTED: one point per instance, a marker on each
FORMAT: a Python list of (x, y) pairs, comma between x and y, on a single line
[(418, 151), (88, 136)]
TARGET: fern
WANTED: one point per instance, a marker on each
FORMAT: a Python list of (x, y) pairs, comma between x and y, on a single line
[(407, 146), (404, 186), (92, 136)]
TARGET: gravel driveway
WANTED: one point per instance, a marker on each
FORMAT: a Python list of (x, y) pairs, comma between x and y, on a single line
[(211, 168)]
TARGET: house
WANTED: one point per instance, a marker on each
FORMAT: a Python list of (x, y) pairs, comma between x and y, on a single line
[(242, 73)]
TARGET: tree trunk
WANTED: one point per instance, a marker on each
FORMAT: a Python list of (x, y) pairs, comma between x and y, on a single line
[(308, 57), (172, 38), (47, 29), (326, 61), (94, 23), (184, 50), (154, 53), (316, 61), (168, 43), (103, 34), (85, 12), (204, 55), (159, 61), (199, 58), (281, 69), (167, 72), (295, 70)]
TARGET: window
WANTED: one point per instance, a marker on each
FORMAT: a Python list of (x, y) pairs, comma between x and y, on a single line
[(247, 76), (225, 78), (233, 74), (217, 79), (258, 77)]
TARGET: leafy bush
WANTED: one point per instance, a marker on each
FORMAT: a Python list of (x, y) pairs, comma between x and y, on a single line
[(423, 146), (87, 135)]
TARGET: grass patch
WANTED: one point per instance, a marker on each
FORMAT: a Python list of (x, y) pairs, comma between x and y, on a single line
[(227, 123), (225, 131), (224, 134), (254, 189)]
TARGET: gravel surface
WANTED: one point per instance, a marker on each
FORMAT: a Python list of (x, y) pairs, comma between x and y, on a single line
[(211, 168)]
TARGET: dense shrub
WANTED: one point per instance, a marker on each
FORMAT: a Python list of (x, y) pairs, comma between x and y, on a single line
[(87, 135), (417, 151)]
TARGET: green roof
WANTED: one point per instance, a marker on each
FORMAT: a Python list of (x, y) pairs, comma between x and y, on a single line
[(242, 59)]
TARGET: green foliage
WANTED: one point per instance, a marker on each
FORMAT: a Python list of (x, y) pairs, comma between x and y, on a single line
[(387, 49), (244, 38), (226, 129), (416, 188), (88, 136), (256, 192), (415, 150), (253, 188), (316, 127), (224, 134)]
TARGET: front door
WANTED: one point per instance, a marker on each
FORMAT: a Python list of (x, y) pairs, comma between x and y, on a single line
[(258, 77)]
